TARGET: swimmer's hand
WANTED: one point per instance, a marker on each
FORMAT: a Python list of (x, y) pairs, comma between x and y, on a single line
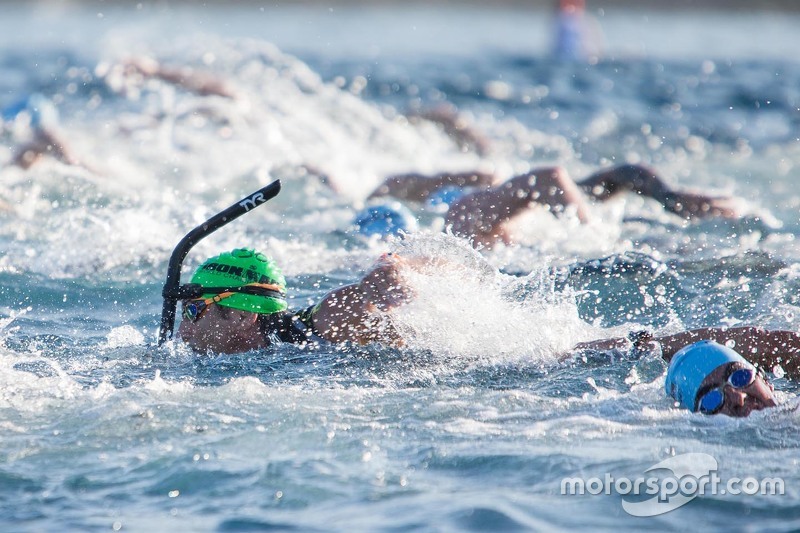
[(145, 66), (384, 286), (695, 205)]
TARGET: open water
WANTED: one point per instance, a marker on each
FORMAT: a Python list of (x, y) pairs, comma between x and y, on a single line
[(475, 424)]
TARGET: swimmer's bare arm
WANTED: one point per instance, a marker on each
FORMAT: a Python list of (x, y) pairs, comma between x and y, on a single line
[(766, 348), (643, 181), (457, 127), (47, 142), (415, 187), (483, 215), (358, 312), (202, 83)]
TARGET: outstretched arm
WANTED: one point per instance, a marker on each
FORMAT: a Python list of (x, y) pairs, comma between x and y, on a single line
[(415, 187), (643, 181), (483, 215), (46, 142), (766, 348), (456, 126), (202, 83), (357, 312)]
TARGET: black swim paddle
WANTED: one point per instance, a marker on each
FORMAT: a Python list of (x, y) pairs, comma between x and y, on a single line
[(173, 291)]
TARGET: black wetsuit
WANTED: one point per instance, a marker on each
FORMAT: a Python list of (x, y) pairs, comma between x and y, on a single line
[(287, 326)]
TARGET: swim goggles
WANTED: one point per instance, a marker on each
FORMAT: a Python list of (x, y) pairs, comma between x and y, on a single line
[(193, 310), (712, 400)]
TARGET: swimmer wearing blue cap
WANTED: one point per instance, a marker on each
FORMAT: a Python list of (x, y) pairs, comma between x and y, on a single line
[(385, 220), (577, 36), (45, 139), (707, 376), (480, 207), (710, 378)]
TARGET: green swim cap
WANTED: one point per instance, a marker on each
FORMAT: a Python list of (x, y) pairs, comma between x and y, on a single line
[(240, 267)]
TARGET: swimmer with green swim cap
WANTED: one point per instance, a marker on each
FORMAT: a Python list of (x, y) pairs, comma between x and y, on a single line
[(242, 306), (236, 301), (257, 284)]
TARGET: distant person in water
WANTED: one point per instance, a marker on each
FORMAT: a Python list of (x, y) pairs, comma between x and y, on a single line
[(480, 209), (44, 138), (575, 37), (38, 117), (384, 220), (705, 375)]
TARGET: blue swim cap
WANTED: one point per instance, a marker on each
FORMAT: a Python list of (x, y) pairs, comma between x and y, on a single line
[(442, 198), (42, 112), (384, 220), (691, 365), (10, 111)]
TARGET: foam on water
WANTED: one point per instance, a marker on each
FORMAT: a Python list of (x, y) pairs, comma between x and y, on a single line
[(461, 289)]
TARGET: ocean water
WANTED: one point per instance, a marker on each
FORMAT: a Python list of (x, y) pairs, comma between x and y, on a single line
[(475, 424)]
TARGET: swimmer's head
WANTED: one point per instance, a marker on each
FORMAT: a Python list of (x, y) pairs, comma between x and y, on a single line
[(712, 378), (264, 284), (442, 198), (38, 108), (385, 220)]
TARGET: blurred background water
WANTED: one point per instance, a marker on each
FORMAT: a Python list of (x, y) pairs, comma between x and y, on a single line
[(474, 424)]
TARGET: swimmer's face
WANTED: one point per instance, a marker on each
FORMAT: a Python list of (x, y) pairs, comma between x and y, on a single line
[(738, 402), (222, 330)]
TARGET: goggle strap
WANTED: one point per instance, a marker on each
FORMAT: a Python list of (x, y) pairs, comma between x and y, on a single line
[(194, 290)]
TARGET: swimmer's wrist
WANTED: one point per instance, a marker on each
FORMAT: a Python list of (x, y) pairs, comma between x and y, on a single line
[(642, 340)]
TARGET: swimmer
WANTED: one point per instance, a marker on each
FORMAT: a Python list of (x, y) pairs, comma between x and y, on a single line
[(384, 220), (485, 210), (241, 306), (708, 377), (42, 121), (418, 188), (575, 39)]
